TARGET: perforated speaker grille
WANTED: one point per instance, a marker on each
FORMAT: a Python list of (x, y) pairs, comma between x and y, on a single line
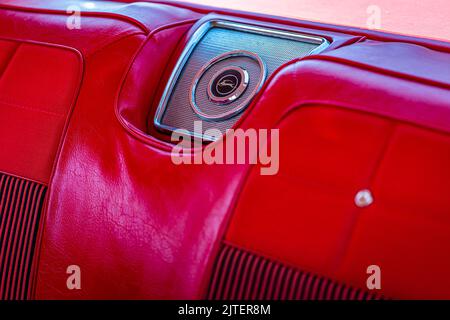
[(176, 112)]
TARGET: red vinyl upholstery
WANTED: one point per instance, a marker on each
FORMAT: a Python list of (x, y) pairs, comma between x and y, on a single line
[(140, 227), (331, 133), (107, 43), (38, 86), (315, 224)]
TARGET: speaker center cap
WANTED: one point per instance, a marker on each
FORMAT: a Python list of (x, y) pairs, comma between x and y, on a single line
[(228, 84)]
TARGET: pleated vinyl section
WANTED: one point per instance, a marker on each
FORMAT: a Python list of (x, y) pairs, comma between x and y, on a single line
[(21, 204), (242, 275)]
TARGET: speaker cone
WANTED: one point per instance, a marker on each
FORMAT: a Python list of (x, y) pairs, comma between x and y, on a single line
[(225, 86)]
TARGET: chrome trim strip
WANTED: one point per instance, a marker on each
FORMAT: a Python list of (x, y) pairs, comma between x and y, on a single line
[(195, 39)]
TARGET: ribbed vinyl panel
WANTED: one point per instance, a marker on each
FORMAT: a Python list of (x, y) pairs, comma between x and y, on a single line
[(241, 275), (20, 209)]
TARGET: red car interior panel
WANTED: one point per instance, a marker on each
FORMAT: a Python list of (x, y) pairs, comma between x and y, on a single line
[(86, 178), (410, 216), (322, 147), (38, 86), (306, 226)]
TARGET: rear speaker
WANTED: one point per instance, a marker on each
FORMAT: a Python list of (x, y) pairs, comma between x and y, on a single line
[(222, 68), (226, 84)]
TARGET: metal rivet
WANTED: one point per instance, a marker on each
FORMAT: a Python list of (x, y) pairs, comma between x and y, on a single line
[(363, 198)]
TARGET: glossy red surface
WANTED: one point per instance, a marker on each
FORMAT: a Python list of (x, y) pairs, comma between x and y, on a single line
[(364, 114), (38, 87)]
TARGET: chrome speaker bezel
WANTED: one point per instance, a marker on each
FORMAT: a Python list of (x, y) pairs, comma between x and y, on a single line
[(227, 23)]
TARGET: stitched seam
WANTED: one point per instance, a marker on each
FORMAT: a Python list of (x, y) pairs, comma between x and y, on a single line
[(152, 110), (359, 211), (31, 109), (10, 59), (115, 41), (95, 14), (23, 178), (379, 70), (117, 38), (32, 290)]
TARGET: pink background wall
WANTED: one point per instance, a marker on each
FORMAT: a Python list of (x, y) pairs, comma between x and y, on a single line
[(422, 18)]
